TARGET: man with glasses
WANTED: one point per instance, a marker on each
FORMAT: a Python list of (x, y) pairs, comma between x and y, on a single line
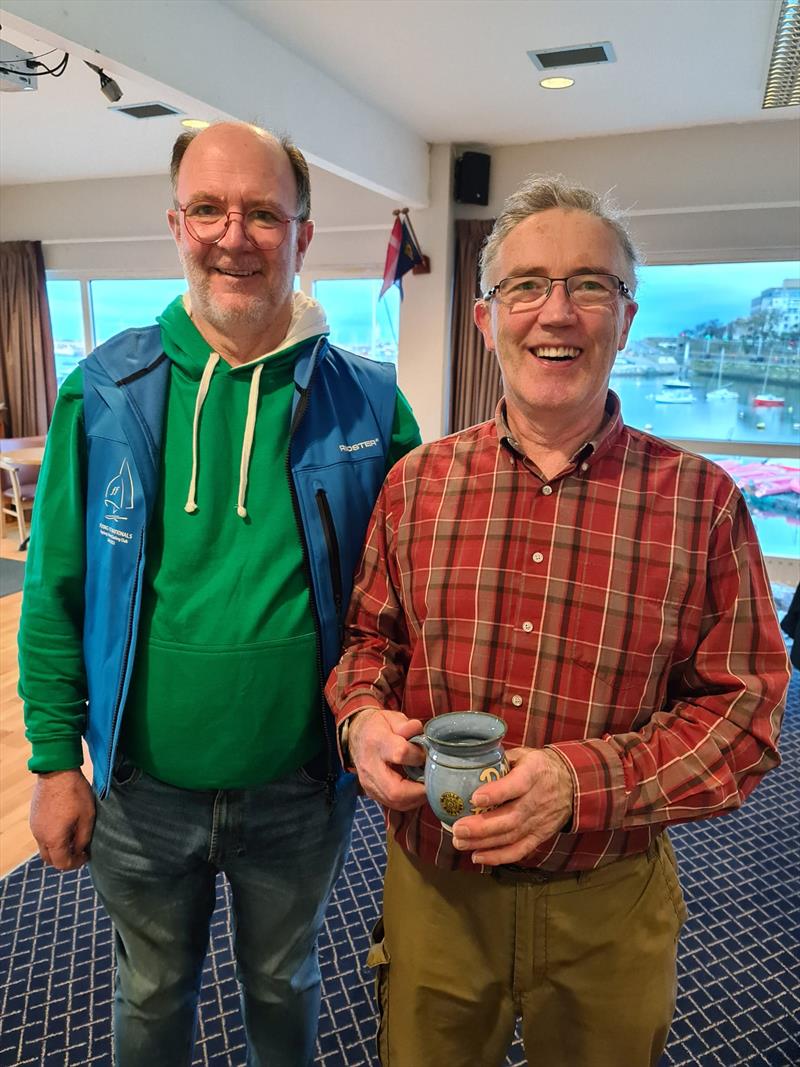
[(603, 593), (204, 497)]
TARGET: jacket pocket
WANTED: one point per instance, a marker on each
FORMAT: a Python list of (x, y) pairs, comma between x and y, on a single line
[(334, 556)]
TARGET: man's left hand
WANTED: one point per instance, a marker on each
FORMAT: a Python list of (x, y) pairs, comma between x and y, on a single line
[(531, 803)]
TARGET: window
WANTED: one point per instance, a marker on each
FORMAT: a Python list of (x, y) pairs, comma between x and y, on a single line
[(84, 313), (771, 489), (117, 304), (358, 320), (66, 317), (713, 352), (713, 357)]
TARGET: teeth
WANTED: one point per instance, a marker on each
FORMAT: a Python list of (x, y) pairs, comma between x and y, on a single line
[(556, 352), (236, 273)]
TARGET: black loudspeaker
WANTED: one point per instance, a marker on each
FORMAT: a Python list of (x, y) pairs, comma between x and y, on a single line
[(472, 178)]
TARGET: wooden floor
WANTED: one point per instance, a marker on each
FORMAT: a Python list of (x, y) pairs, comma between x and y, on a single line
[(16, 781)]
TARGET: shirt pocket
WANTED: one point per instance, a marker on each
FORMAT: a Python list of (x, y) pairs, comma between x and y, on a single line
[(621, 679)]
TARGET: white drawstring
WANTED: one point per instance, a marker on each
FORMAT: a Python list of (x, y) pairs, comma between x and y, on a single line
[(247, 440), (205, 381)]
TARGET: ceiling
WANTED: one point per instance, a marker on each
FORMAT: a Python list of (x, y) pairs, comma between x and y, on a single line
[(457, 70), (450, 70)]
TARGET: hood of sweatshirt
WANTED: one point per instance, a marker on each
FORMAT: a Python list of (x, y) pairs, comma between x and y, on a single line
[(189, 350)]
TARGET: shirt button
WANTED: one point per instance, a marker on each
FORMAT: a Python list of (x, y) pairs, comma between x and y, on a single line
[(547, 490), (516, 700), (527, 627), (537, 557), (584, 466)]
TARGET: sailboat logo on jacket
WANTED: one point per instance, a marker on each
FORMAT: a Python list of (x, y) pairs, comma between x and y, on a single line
[(119, 494)]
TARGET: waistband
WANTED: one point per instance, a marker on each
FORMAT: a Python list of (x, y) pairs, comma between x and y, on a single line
[(513, 872)]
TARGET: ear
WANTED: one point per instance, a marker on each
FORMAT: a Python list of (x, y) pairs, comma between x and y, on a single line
[(629, 315), (482, 313), (305, 231), (174, 223)]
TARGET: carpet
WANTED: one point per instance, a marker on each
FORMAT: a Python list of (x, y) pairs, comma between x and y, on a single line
[(12, 574), (738, 965)]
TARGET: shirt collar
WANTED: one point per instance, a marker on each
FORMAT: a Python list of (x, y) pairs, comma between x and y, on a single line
[(596, 446)]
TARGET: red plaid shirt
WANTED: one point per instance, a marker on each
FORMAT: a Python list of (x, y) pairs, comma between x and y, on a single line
[(618, 613)]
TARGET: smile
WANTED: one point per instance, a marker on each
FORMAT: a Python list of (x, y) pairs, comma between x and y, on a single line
[(230, 273), (556, 353)]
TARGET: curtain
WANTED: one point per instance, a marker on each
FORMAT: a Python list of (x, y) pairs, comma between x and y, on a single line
[(475, 385), (27, 367)]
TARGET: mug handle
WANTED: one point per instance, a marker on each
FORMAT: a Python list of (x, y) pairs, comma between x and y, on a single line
[(415, 774)]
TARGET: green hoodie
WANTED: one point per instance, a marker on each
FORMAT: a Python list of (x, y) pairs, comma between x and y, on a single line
[(225, 690)]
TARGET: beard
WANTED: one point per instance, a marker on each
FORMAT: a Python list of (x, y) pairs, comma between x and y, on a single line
[(228, 315)]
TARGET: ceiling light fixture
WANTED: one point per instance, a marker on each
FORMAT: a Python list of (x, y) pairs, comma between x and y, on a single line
[(783, 77), (108, 87), (556, 83), (195, 124)]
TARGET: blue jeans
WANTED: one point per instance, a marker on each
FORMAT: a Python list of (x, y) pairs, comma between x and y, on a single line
[(155, 854)]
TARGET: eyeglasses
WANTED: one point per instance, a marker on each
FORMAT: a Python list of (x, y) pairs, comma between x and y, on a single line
[(584, 290), (208, 223)]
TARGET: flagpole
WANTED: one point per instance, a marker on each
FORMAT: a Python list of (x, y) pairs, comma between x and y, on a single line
[(404, 211)]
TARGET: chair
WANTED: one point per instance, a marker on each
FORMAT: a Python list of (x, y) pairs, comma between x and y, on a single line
[(17, 484)]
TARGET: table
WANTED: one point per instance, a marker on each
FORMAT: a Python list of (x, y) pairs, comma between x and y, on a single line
[(25, 457)]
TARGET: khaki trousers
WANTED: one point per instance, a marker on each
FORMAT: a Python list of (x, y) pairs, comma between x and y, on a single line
[(587, 961)]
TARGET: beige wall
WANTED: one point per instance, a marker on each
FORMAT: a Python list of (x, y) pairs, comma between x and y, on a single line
[(713, 192), (725, 192)]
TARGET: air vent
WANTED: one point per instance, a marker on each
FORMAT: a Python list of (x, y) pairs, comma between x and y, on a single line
[(147, 111), (578, 55)]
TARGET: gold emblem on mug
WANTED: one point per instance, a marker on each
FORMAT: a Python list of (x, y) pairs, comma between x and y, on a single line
[(452, 803)]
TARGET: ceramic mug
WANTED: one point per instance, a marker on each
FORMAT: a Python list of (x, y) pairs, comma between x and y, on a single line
[(462, 752)]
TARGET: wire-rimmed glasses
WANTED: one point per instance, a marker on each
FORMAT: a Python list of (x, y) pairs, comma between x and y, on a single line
[(584, 290)]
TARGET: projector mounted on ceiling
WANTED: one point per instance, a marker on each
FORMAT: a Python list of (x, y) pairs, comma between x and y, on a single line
[(17, 71)]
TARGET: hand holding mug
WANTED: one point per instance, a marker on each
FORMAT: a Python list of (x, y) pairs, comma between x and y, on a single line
[(378, 741), (533, 802)]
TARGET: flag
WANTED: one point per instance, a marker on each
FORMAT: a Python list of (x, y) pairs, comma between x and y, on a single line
[(401, 255)]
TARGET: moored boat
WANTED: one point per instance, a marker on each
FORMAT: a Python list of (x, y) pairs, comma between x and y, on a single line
[(675, 391)]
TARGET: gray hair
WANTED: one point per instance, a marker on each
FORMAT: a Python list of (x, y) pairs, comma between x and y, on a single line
[(540, 192), (295, 156)]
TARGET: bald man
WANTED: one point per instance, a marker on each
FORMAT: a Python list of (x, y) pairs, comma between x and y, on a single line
[(200, 512)]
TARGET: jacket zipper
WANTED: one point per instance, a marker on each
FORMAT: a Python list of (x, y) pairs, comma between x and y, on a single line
[(330, 779), (329, 529), (125, 657)]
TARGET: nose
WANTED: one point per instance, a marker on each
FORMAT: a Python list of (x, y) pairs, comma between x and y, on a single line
[(234, 237), (557, 307)]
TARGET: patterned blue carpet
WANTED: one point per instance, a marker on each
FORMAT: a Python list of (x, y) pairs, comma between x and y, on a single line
[(739, 970)]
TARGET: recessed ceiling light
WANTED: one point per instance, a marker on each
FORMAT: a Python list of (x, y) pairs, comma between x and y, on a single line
[(195, 124), (556, 83)]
